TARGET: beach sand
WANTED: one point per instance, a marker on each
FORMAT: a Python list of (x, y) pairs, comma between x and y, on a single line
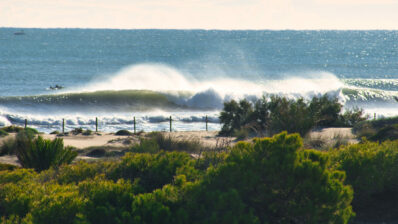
[(208, 138)]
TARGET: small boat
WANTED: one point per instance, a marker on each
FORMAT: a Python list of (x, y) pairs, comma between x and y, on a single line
[(19, 33)]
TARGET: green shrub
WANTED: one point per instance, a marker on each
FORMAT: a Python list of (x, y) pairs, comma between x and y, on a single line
[(87, 132), (325, 110), (274, 181), (3, 133), (378, 130), (12, 129), (352, 117), (77, 131), (150, 170), (270, 115), (59, 204), (108, 201), (389, 132), (146, 146), (292, 116), (235, 115), (7, 167), (42, 154), (8, 147), (271, 180), (78, 172), (241, 134), (372, 170), (123, 133)]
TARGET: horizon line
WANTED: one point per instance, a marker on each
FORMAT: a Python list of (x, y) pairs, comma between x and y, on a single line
[(198, 29)]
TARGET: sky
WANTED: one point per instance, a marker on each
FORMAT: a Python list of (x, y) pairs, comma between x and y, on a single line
[(201, 14)]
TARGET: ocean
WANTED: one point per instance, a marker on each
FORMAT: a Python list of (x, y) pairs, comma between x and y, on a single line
[(116, 75)]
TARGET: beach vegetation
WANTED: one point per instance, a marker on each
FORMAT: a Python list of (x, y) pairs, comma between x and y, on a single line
[(17, 129), (76, 131), (87, 132), (378, 130), (3, 133), (41, 154), (4, 166), (371, 169), (21, 139), (273, 114), (155, 141), (12, 129), (269, 180), (123, 133)]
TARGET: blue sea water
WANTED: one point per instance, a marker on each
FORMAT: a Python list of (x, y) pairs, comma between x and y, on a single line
[(187, 74)]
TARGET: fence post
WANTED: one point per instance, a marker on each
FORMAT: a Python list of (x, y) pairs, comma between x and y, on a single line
[(170, 123), (206, 122), (134, 124), (96, 124), (63, 126), (26, 123)]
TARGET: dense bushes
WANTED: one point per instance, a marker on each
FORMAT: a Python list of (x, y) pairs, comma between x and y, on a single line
[(271, 180), (378, 130), (272, 115), (372, 171)]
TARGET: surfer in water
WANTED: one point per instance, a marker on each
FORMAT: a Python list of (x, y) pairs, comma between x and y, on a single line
[(56, 87)]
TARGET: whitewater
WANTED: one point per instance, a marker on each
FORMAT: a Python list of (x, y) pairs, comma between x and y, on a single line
[(116, 75)]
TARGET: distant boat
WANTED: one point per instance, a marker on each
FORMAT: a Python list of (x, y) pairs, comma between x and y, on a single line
[(19, 33)]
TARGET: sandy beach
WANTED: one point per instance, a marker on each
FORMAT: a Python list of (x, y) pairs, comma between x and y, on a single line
[(207, 138)]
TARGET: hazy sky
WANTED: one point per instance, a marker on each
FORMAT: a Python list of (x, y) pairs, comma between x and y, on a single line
[(203, 14)]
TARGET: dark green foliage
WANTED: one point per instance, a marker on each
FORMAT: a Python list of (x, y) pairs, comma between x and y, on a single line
[(78, 172), (16, 129), (87, 132), (55, 133), (3, 133), (372, 170), (123, 133), (270, 180), (352, 117), (108, 202), (273, 180), (97, 152), (292, 116), (241, 134), (7, 167), (42, 154), (150, 170), (378, 130), (325, 110), (385, 133), (235, 116), (77, 131), (12, 129), (272, 115)]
